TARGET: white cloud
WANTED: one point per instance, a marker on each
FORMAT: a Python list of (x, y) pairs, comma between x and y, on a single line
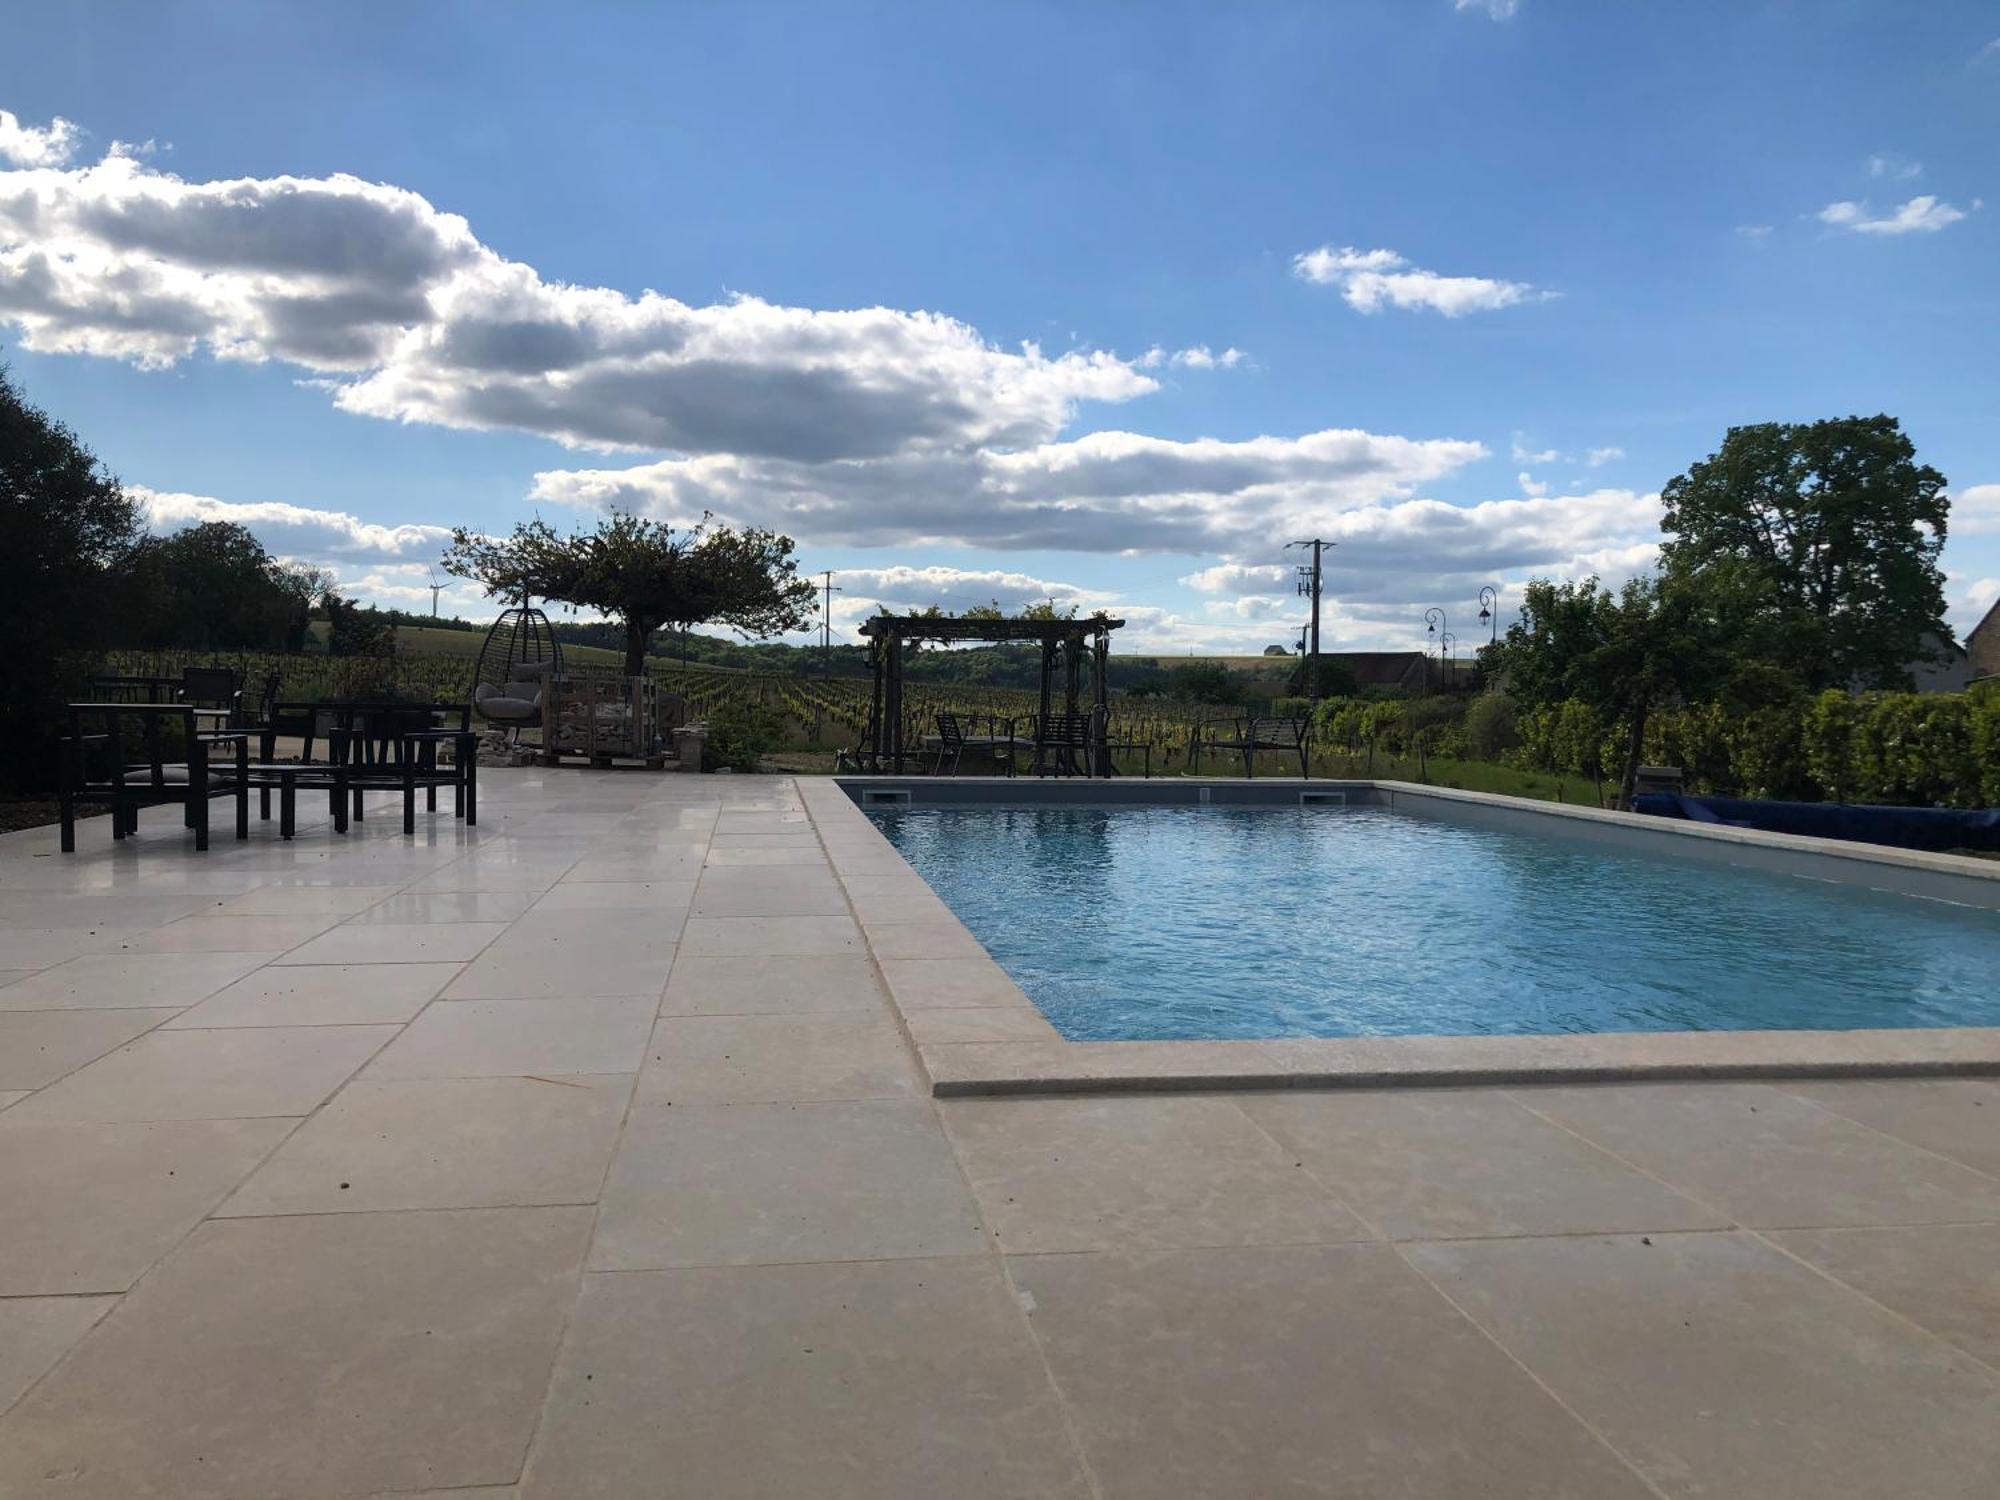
[(1499, 10), (409, 317), (320, 536), (1370, 280), (1755, 233), (1104, 492), (1199, 357), (47, 145), (1976, 511), (1894, 166), (1597, 458), (1923, 213), (1531, 485), (1523, 454), (1236, 578)]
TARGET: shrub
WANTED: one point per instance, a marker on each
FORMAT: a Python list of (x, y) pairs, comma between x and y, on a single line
[(1492, 730), (740, 731)]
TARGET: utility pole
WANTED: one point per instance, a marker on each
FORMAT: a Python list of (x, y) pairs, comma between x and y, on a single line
[(1309, 582), (826, 625)]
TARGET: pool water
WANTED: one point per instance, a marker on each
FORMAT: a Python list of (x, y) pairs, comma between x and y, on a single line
[(1192, 923)]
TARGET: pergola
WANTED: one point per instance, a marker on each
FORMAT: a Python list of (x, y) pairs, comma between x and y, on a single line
[(1065, 644)]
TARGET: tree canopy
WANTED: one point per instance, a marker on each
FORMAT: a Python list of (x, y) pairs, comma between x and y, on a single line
[(214, 587), (646, 573), (1830, 532)]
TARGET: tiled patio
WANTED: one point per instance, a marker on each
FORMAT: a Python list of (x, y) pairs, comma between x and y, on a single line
[(584, 1154)]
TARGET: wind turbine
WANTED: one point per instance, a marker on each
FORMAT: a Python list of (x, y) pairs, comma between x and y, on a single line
[(435, 587)]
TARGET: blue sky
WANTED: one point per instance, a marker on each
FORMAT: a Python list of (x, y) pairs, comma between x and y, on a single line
[(1458, 284)]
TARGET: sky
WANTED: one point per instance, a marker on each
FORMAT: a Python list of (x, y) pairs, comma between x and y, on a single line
[(1102, 303)]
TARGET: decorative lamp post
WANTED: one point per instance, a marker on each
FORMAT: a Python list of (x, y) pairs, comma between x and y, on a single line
[(1435, 627), (1489, 613)]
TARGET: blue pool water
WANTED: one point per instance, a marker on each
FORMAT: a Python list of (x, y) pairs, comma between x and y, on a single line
[(1181, 923)]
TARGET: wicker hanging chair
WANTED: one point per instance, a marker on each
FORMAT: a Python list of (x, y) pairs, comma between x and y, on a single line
[(515, 662)]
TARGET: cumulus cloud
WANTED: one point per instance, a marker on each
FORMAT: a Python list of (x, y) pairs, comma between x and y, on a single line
[(1370, 280), (319, 536), (1104, 492), (1894, 166), (1596, 458), (407, 316), (1925, 213), (1975, 511), (1236, 578), (1499, 10), (1523, 454), (47, 145), (1199, 357)]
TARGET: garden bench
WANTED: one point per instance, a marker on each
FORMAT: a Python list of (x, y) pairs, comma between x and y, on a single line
[(1251, 737)]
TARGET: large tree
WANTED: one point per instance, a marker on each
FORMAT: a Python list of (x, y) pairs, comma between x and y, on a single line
[(646, 573), (1831, 531), (66, 522), (214, 587)]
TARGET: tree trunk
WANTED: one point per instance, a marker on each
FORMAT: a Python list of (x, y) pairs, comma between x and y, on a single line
[(1634, 749), (636, 632)]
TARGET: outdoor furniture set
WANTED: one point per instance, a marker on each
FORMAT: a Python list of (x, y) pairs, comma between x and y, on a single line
[(131, 754)]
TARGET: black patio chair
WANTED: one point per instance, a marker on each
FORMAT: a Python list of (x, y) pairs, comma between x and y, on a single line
[(215, 693), (954, 742), (128, 756), (394, 747)]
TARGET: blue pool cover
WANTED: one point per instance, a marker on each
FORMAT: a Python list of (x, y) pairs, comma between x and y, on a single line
[(1934, 828)]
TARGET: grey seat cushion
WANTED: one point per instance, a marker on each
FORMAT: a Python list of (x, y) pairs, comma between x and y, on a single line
[(501, 706)]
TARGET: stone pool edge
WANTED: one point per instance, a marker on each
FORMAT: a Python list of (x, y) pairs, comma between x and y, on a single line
[(976, 1033)]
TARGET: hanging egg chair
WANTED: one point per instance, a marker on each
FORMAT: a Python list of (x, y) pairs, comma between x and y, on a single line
[(515, 662)]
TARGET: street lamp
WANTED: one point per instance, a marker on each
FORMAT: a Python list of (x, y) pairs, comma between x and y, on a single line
[(1448, 643), (1489, 613), (1434, 627)]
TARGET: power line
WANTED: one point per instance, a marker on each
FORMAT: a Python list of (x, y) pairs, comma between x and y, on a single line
[(1309, 585)]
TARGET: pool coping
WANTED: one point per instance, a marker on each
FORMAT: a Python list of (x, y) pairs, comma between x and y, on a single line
[(976, 1033)]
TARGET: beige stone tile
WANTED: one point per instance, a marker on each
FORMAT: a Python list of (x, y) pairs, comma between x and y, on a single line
[(1720, 1367), (321, 995), (1136, 1173), (327, 1355), (505, 1038), (427, 908), (904, 1380), (35, 1332), (772, 986), (398, 943), (1451, 1163), (938, 938), (338, 901), (801, 853), (747, 1184), (682, 862), (788, 824), (772, 895), (444, 1143), (235, 934), (978, 1023), (1320, 1370), (89, 1207), (887, 910), (619, 952), (931, 983), (762, 1059), (529, 879), (12, 1096), (39, 1046), (211, 1075), (129, 981), (776, 937), (1768, 1159), (615, 895), (25, 949), (1944, 1277), (1955, 1117)]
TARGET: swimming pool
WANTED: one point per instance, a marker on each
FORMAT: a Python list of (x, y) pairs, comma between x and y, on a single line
[(1184, 923)]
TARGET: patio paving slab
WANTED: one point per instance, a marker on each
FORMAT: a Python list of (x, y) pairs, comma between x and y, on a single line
[(919, 983), (1955, 1117), (774, 937), (39, 1046), (203, 933), (245, 1073), (35, 1332), (25, 949), (1943, 1277), (89, 1207), (1136, 1173), (321, 995), (760, 1184), (771, 853), (425, 908), (616, 952), (1449, 1164), (1718, 1366), (612, 895), (1768, 1159), (120, 981), (398, 943), (708, 985), (892, 1380), (328, 1355), (766, 1059), (945, 1025), (1321, 1370), (507, 1038), (339, 901), (444, 1143)]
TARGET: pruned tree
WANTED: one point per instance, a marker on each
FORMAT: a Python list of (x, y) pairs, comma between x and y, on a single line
[(647, 574)]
